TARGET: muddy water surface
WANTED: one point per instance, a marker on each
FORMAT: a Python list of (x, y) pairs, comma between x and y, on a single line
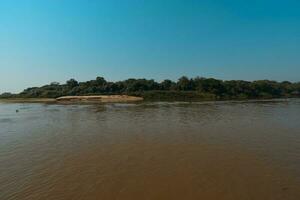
[(216, 150)]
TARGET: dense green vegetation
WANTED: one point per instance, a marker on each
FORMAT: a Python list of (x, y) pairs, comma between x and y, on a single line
[(184, 89)]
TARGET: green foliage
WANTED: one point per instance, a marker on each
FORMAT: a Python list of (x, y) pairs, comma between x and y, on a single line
[(198, 88), (7, 95), (72, 83)]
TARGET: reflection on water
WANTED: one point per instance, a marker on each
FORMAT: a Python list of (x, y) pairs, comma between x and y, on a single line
[(210, 150)]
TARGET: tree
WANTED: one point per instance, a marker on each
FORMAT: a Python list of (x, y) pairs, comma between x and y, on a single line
[(72, 83), (184, 88), (214, 86), (6, 95), (184, 83), (167, 85), (54, 83), (198, 84), (100, 81)]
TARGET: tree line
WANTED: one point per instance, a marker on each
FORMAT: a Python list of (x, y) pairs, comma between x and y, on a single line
[(185, 88)]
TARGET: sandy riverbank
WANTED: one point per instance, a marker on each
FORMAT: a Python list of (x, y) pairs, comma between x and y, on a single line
[(79, 99), (100, 98), (28, 100)]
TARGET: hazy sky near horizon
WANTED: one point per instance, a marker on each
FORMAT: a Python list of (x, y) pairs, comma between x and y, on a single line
[(55, 40)]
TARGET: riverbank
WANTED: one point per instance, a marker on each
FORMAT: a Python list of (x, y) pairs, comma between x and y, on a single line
[(76, 99), (28, 100), (100, 98), (193, 96), (128, 99)]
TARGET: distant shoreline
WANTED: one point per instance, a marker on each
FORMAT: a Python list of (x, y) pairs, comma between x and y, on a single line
[(123, 99), (185, 89), (76, 99)]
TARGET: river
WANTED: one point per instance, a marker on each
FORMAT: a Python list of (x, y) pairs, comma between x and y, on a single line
[(150, 150)]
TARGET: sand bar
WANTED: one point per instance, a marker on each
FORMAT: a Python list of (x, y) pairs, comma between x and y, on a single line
[(79, 99), (100, 98)]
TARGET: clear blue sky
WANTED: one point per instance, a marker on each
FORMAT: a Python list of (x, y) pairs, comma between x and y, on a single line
[(53, 40)]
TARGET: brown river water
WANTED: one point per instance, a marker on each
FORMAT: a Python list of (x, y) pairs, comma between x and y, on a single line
[(151, 150)]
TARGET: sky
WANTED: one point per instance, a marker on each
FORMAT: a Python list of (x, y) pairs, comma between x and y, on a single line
[(55, 40)]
